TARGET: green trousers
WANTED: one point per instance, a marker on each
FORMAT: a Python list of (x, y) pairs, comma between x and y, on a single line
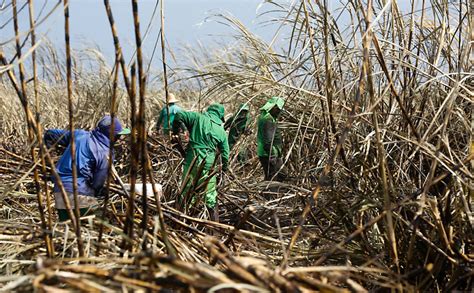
[(196, 188)]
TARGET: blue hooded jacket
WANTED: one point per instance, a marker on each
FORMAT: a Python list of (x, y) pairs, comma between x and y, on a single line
[(92, 151)]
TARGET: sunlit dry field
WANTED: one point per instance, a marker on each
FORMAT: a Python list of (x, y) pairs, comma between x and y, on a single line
[(377, 130)]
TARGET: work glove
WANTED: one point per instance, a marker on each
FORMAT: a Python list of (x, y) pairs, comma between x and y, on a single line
[(176, 144), (186, 136), (174, 138), (46, 177)]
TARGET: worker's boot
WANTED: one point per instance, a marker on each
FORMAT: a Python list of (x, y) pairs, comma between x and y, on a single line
[(214, 214)]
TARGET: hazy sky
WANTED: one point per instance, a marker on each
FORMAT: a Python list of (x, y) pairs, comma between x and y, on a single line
[(186, 22)]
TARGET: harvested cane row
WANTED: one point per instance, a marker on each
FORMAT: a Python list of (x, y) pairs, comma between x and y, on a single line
[(254, 231)]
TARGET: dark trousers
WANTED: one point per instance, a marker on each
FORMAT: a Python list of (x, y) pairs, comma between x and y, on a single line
[(64, 216), (271, 168), (214, 214)]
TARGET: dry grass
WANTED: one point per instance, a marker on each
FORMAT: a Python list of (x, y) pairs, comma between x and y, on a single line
[(380, 108)]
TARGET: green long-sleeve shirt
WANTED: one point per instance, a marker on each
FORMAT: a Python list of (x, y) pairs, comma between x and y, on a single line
[(237, 124), (269, 139), (206, 134), (163, 118)]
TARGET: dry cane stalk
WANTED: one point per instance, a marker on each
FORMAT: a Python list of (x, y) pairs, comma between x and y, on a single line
[(171, 250), (118, 48), (131, 89), (164, 234), (163, 58), (329, 87), (381, 144), (380, 149), (330, 163), (248, 212), (315, 62), (141, 114), (111, 150), (186, 179), (128, 227), (80, 244), (471, 147), (47, 237), (39, 133), (29, 117)]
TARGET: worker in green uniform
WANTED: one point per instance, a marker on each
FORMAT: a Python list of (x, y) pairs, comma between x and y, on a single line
[(269, 140), (173, 109), (237, 124), (206, 135)]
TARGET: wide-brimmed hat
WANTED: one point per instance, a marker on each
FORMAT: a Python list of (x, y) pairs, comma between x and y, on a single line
[(171, 98)]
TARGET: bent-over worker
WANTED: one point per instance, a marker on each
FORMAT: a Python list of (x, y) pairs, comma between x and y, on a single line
[(206, 136), (92, 152)]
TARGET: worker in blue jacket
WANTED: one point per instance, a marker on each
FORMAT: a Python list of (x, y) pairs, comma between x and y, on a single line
[(92, 151)]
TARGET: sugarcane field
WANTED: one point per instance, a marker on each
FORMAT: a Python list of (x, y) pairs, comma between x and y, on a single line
[(236, 146)]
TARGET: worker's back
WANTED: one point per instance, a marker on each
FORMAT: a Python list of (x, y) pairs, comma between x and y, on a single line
[(163, 119), (237, 124), (268, 136), (206, 133), (91, 152)]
